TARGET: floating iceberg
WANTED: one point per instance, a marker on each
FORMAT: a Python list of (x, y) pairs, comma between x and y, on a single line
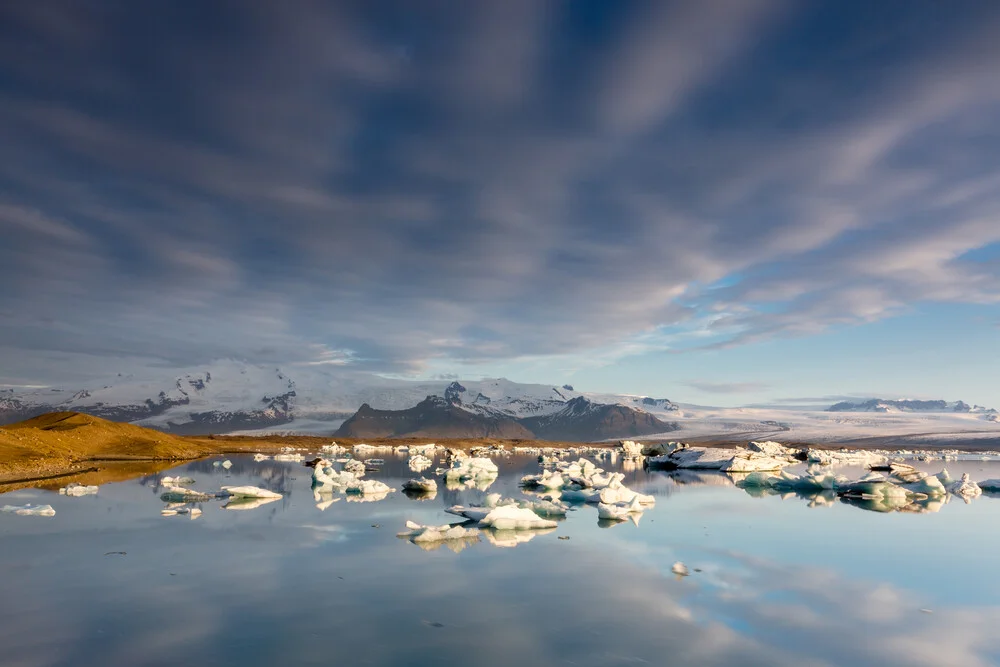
[(28, 510), (511, 517), (472, 468), (929, 485), (250, 492), (260, 457), (991, 485), (289, 458), (619, 511), (176, 481), (631, 448), (333, 449), (966, 489), (845, 457), (697, 458), (421, 485), (680, 569), (180, 494), (227, 464), (369, 487), (420, 533), (77, 490)]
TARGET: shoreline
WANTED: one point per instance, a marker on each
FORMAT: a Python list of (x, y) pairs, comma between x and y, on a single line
[(38, 471)]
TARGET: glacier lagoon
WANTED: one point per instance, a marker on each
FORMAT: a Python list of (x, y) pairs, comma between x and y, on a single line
[(773, 579)]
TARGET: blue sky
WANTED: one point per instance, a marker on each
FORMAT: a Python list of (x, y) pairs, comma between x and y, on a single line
[(720, 202)]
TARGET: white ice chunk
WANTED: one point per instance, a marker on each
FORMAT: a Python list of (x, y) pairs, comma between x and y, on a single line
[(227, 464), (289, 458), (419, 462), (510, 517), (472, 468), (420, 533), (176, 481), (77, 490), (966, 489), (421, 485), (845, 457), (369, 487), (261, 457), (28, 510)]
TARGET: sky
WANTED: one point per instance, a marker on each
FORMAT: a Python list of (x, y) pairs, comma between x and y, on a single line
[(720, 202)]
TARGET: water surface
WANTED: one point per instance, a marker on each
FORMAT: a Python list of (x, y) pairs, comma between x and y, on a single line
[(774, 581)]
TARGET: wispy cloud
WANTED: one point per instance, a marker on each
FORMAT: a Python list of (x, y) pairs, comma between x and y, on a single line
[(726, 387), (485, 183)]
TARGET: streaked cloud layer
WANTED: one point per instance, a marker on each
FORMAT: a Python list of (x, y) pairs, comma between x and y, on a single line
[(397, 188)]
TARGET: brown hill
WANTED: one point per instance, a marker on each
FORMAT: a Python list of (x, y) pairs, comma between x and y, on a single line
[(57, 440)]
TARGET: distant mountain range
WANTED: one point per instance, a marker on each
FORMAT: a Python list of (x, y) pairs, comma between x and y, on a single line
[(908, 405), (230, 396), (577, 419)]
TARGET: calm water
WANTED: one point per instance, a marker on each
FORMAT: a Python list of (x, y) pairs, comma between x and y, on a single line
[(779, 582)]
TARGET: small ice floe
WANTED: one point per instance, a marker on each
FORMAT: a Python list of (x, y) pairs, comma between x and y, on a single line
[(726, 459), (477, 468), (630, 448), (425, 450), (419, 533), (333, 449), (966, 489), (180, 494), (419, 462), (906, 473), (420, 485), (355, 467), (176, 481), (680, 569), (77, 490), (368, 487), (472, 513), (511, 517), (836, 457), (250, 492), (990, 485), (28, 510), (245, 503), (878, 496), (261, 457), (945, 477), (619, 511), (290, 458), (227, 464)]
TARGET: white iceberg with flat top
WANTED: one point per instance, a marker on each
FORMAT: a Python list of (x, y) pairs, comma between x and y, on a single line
[(511, 517), (180, 494), (836, 457), (419, 533), (77, 490), (250, 492), (369, 487), (28, 510)]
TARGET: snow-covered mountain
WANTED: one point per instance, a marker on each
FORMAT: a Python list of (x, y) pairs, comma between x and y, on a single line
[(909, 405), (228, 396), (231, 396)]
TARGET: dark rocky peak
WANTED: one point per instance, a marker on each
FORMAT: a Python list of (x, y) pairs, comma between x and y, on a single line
[(453, 393)]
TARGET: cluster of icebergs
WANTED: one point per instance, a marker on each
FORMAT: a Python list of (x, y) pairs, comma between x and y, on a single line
[(182, 500), (510, 521)]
